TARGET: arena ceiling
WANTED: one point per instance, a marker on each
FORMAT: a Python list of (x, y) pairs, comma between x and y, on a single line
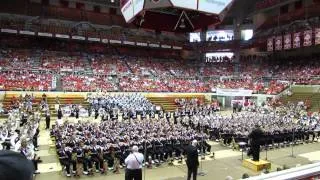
[(181, 20), (185, 20)]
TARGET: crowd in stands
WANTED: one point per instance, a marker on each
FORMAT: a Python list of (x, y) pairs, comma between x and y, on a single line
[(38, 70), (87, 83), (62, 63), (25, 80), (108, 65)]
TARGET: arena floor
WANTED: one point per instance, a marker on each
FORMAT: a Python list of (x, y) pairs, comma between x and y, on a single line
[(227, 162)]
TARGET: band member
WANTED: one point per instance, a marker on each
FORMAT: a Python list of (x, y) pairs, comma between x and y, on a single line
[(47, 119), (59, 113)]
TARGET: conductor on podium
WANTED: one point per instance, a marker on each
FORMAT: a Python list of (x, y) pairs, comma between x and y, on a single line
[(256, 138)]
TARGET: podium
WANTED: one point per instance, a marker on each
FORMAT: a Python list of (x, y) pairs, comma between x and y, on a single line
[(256, 165)]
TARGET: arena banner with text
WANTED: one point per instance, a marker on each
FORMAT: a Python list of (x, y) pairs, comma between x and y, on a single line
[(270, 44), (287, 42), (13, 31), (233, 92), (317, 36), (278, 43), (27, 33), (307, 38), (296, 40)]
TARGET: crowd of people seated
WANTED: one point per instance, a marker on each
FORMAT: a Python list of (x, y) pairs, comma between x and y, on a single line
[(132, 74), (108, 65), (87, 83), (25, 80), (140, 84), (164, 135), (62, 63)]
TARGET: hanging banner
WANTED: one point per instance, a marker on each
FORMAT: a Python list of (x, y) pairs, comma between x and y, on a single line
[(296, 40), (278, 43), (287, 41), (307, 38), (233, 92), (270, 44), (317, 36)]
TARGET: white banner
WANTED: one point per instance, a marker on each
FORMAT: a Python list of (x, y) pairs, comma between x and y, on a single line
[(166, 46), (154, 45), (233, 92), (104, 41), (176, 47), (115, 41), (79, 38), (64, 36), (45, 34), (94, 39), (128, 42), (9, 31), (142, 44), (27, 32)]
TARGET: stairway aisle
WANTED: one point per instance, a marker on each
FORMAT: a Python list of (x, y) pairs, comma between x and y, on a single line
[(47, 151)]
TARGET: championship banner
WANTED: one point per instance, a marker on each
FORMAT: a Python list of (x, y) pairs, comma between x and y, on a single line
[(270, 44), (233, 92), (278, 43), (296, 40), (287, 41), (317, 36), (307, 38)]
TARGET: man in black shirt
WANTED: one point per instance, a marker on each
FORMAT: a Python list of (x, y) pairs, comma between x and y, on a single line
[(256, 138), (192, 160)]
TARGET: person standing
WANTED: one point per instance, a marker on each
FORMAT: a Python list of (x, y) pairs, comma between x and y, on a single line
[(59, 113), (134, 165), (48, 119), (192, 160), (256, 139)]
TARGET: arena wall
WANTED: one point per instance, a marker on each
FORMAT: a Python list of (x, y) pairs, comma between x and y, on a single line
[(306, 88)]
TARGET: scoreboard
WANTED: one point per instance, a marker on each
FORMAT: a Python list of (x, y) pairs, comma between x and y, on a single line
[(130, 8)]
